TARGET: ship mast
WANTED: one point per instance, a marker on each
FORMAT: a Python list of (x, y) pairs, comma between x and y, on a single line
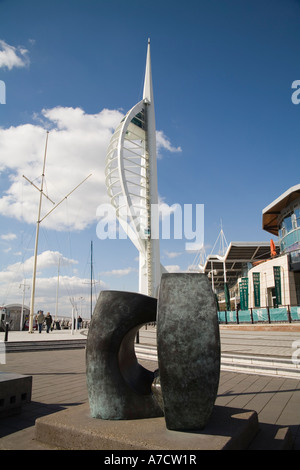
[(39, 220), (37, 240)]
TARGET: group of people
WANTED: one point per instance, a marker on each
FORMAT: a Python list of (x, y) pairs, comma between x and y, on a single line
[(41, 318)]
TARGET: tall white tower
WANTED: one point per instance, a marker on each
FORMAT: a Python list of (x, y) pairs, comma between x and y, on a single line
[(131, 180)]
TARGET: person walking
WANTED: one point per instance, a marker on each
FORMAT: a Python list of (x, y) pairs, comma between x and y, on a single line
[(40, 320), (48, 322)]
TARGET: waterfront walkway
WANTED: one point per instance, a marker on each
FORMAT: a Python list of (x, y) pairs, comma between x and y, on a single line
[(59, 381)]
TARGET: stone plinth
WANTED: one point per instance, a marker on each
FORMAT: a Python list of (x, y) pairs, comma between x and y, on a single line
[(15, 390), (75, 429)]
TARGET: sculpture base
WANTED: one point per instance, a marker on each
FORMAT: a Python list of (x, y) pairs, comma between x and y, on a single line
[(74, 429)]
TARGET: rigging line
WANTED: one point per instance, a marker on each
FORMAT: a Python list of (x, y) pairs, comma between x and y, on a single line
[(22, 231), (17, 249), (46, 192), (22, 199), (64, 281), (44, 233), (195, 262), (10, 285), (140, 94), (66, 285), (68, 266), (64, 198), (39, 189), (71, 289), (93, 277), (30, 231), (69, 238), (37, 178), (57, 240)]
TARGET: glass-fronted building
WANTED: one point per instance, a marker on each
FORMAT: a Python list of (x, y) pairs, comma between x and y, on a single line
[(282, 219), (262, 279)]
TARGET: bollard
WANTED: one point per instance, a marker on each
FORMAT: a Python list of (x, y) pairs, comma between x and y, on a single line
[(6, 332)]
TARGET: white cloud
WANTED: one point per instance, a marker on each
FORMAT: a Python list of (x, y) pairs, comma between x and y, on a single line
[(172, 254), (77, 146), (8, 236), (165, 210), (45, 260), (119, 272), (173, 268), (70, 287), (72, 290), (11, 56), (163, 142)]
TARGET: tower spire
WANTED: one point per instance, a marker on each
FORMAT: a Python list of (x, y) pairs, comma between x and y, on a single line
[(148, 88)]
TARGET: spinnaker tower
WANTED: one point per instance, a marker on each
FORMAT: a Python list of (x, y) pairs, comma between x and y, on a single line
[(131, 180)]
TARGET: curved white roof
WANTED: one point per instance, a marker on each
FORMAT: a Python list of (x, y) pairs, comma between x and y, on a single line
[(272, 211)]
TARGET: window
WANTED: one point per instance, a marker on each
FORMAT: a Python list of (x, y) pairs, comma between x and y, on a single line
[(297, 216), (287, 223), (294, 221), (139, 120)]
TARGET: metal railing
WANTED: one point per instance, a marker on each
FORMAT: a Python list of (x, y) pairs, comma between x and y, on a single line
[(282, 314)]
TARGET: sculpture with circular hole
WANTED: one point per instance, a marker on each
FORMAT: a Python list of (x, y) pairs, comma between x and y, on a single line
[(118, 386)]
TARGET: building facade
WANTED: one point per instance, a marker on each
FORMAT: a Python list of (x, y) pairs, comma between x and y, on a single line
[(261, 281), (279, 277), (15, 315)]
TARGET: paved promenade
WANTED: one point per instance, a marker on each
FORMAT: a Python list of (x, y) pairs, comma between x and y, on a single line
[(25, 336), (59, 382)]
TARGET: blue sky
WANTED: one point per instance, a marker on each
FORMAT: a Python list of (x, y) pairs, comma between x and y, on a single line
[(222, 76)]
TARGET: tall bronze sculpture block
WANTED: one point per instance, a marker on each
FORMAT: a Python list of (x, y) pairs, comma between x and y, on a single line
[(184, 389), (188, 347), (118, 386)]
